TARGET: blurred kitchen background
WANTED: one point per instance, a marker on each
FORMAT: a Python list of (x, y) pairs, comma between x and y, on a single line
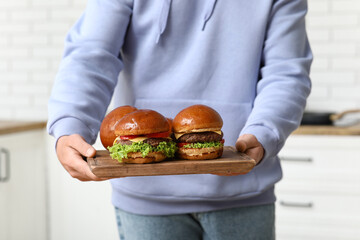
[(318, 198)]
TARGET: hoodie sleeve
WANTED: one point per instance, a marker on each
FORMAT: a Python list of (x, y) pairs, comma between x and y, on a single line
[(284, 83), (89, 69)]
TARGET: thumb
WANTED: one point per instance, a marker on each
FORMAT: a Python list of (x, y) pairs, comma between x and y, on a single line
[(82, 146), (246, 141), (249, 145), (240, 145)]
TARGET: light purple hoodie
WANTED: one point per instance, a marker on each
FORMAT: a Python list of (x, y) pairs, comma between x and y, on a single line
[(249, 60)]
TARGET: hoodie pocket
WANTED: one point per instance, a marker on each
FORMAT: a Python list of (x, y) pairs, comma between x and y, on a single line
[(203, 186)]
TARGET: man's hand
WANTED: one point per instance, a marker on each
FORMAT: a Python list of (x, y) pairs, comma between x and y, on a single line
[(69, 150), (249, 145)]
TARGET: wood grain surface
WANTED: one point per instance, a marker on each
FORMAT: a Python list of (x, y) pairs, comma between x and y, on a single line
[(102, 165), (7, 127), (327, 130)]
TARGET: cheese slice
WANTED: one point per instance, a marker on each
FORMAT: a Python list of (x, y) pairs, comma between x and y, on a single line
[(178, 135), (116, 139), (138, 139), (142, 138)]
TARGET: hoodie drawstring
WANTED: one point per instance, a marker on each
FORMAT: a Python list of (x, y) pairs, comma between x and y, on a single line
[(209, 10), (163, 18), (165, 11)]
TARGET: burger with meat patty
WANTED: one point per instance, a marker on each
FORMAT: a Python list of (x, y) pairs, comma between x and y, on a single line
[(143, 136), (107, 128), (197, 130)]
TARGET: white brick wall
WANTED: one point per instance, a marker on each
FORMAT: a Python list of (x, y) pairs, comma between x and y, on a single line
[(31, 43), (334, 33)]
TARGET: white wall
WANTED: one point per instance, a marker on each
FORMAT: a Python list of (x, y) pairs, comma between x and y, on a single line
[(31, 42), (334, 32)]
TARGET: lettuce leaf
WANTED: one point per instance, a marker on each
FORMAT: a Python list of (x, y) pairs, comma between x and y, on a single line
[(204, 145), (118, 151)]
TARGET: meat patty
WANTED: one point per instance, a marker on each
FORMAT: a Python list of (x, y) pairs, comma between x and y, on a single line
[(124, 142), (152, 141), (200, 137)]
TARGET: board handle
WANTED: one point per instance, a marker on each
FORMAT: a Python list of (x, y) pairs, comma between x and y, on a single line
[(296, 159), (297, 204), (4, 152)]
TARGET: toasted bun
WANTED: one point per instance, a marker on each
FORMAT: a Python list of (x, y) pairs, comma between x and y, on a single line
[(197, 117), (142, 122), (151, 157), (107, 135), (199, 153), (170, 122)]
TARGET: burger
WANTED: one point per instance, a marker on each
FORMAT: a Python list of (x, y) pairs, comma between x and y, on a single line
[(143, 136), (107, 128), (197, 131)]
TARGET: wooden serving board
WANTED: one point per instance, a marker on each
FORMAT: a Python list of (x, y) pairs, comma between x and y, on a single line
[(103, 166)]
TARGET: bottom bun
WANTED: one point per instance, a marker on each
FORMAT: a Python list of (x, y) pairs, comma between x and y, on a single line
[(199, 153), (138, 158)]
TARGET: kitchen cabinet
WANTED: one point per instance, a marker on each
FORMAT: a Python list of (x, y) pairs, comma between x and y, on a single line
[(78, 210), (23, 206), (319, 195)]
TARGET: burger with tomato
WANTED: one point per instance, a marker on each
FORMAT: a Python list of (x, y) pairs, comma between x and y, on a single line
[(107, 128), (143, 136), (197, 130)]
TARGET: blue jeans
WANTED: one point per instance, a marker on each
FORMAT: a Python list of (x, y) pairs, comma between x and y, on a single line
[(243, 223)]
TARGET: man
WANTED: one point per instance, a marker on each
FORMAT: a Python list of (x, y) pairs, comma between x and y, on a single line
[(249, 60)]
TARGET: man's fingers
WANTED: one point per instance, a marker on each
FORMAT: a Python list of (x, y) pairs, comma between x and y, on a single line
[(255, 153), (81, 170), (249, 145), (79, 144), (70, 150)]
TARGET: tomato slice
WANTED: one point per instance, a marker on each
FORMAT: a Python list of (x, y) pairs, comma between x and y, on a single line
[(151, 135), (158, 135), (127, 137), (181, 144), (222, 141)]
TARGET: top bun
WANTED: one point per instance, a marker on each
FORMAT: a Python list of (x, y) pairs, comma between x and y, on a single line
[(197, 117), (170, 122), (107, 135), (142, 122)]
